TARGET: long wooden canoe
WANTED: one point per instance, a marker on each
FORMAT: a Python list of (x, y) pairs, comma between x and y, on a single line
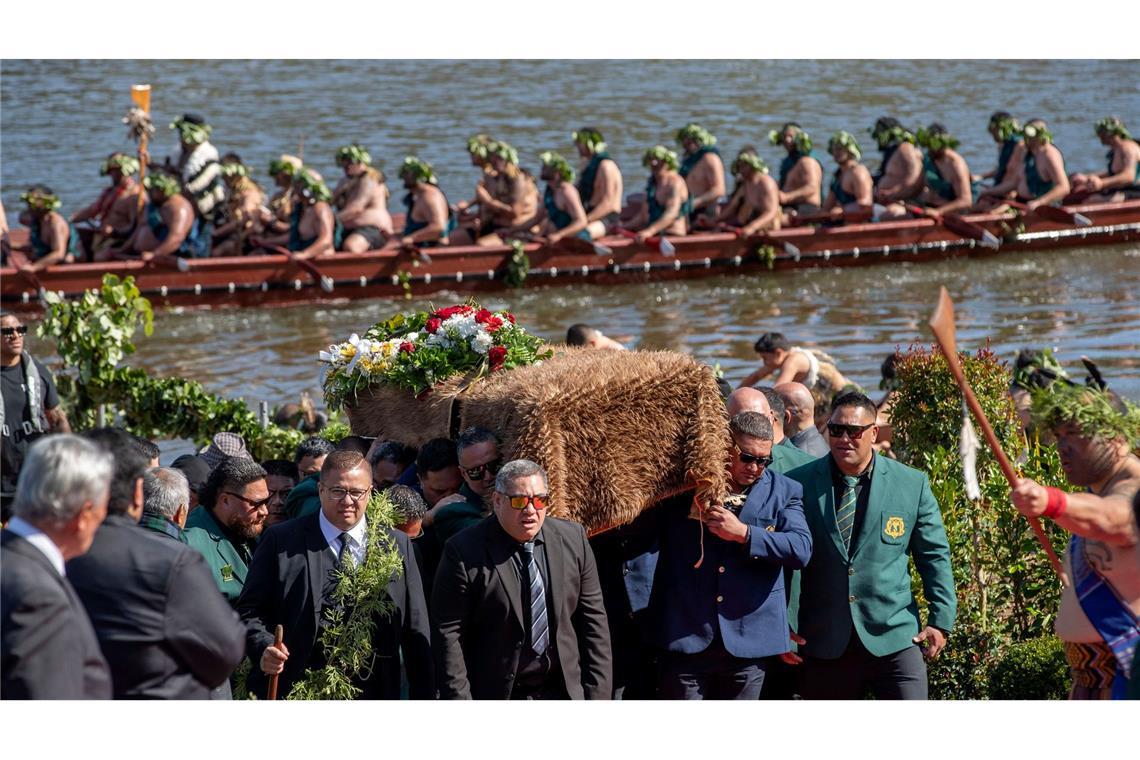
[(274, 280)]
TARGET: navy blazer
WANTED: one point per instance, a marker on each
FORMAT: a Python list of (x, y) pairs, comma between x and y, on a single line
[(739, 588)]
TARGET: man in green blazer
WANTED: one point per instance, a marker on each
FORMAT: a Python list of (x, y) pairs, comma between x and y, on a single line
[(867, 515), (785, 456)]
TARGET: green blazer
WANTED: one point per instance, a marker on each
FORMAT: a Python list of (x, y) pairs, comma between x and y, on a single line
[(786, 457), (226, 563), (870, 589)]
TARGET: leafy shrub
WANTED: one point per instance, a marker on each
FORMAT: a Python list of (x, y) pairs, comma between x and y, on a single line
[(1034, 669)]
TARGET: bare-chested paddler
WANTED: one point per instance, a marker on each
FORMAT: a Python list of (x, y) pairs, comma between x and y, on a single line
[(361, 200), (513, 199), (599, 181), (1041, 179), (112, 215), (761, 196), (429, 221), (666, 196), (241, 217), (736, 212), (851, 186), (946, 177), (1121, 178), (275, 219), (314, 229), (1099, 617), (53, 238), (702, 170), (169, 228), (471, 216), (1006, 132), (899, 177), (561, 214), (801, 173)]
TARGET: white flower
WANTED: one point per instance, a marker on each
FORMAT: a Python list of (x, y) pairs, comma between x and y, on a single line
[(481, 341), (411, 337)]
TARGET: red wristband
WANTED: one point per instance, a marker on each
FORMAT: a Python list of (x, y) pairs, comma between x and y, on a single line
[(1057, 503)]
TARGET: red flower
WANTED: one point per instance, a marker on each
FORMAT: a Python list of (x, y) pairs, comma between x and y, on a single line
[(451, 311), (494, 323), (433, 324), (510, 317), (407, 347), (483, 316), (497, 355)]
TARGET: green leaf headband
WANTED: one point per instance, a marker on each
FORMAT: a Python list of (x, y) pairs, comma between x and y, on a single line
[(1006, 127), (1091, 409), (801, 140), (1034, 132), (936, 140), (1113, 126), (660, 153), (41, 201), (311, 187), (127, 165), (504, 151), (190, 133), (353, 154), (749, 159), (695, 132), (234, 170), (845, 140), (477, 145), (284, 166), (591, 138), (892, 135), (164, 183), (421, 170), (558, 164)]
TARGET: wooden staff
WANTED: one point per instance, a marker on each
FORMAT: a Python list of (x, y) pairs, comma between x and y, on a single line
[(323, 280), (957, 225), (278, 640), (140, 94), (942, 323)]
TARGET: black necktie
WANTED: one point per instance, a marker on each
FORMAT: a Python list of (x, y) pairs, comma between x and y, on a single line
[(539, 625), (344, 559)]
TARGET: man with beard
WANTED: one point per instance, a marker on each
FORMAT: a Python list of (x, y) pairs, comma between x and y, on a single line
[(900, 173), (113, 212), (230, 516), (599, 182), (667, 196), (429, 221), (1099, 617), (801, 173), (703, 171), (362, 201)]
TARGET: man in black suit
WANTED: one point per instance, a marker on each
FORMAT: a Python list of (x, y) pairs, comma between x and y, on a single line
[(165, 629), (293, 577), (48, 649), (517, 605)]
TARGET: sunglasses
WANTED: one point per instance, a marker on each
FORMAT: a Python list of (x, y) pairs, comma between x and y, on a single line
[(752, 458), (255, 504), (481, 471), (7, 332), (854, 432), (521, 502)]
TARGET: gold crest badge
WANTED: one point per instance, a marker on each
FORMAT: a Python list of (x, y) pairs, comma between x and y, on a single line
[(771, 528), (895, 527), (227, 572)]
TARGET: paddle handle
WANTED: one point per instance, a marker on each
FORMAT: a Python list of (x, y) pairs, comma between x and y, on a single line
[(278, 640), (654, 241)]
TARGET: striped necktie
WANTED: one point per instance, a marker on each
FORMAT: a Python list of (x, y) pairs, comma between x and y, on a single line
[(845, 509), (539, 625), (344, 559)]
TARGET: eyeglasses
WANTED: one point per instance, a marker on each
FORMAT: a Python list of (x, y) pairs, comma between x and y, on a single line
[(255, 504), (8, 332), (282, 492), (481, 471), (354, 495), (522, 501), (854, 432), (752, 458)]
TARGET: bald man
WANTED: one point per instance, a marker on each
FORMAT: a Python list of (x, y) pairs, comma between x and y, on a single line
[(799, 419), (785, 456)]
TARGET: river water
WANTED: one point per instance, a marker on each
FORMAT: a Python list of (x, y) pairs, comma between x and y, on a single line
[(58, 119)]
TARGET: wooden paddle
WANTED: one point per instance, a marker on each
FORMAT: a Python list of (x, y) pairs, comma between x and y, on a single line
[(140, 94), (958, 226), (278, 640), (658, 242), (862, 216), (942, 323), (319, 277), (1054, 213), (581, 245), (763, 237)]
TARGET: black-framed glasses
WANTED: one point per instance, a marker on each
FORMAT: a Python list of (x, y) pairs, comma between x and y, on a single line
[(354, 494), (487, 468), (522, 501), (854, 432), (256, 504), (746, 458), (282, 492), (7, 332)]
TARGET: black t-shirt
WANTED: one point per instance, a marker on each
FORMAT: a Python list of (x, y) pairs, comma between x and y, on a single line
[(15, 440)]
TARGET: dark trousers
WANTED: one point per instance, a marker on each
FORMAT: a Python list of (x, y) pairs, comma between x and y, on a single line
[(711, 674), (901, 675)]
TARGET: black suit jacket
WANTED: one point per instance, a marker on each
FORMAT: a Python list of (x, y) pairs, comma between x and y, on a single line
[(283, 587), (165, 629), (48, 650), (476, 604)]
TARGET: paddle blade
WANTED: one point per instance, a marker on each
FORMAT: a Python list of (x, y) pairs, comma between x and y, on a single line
[(327, 283), (1081, 220), (666, 247), (791, 250), (942, 323), (603, 250), (990, 240), (182, 264), (140, 95)]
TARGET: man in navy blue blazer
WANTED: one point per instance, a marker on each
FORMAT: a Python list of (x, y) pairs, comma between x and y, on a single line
[(719, 623)]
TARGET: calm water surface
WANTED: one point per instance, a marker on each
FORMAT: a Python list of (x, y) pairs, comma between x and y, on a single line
[(58, 119)]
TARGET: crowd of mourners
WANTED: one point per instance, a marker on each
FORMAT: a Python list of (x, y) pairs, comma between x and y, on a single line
[(209, 204), (218, 576)]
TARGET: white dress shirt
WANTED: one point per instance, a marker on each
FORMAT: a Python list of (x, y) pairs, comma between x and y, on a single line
[(357, 534), (40, 540)]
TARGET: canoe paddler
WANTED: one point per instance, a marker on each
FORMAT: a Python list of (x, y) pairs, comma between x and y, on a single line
[(513, 198), (112, 214), (314, 229), (666, 196), (429, 221), (199, 166), (241, 213), (801, 174), (946, 177), (851, 186), (1121, 178), (736, 211), (761, 195), (361, 199), (471, 214), (703, 171), (1006, 132), (599, 181), (53, 239), (899, 178), (1041, 179), (169, 228), (276, 216), (562, 214)]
